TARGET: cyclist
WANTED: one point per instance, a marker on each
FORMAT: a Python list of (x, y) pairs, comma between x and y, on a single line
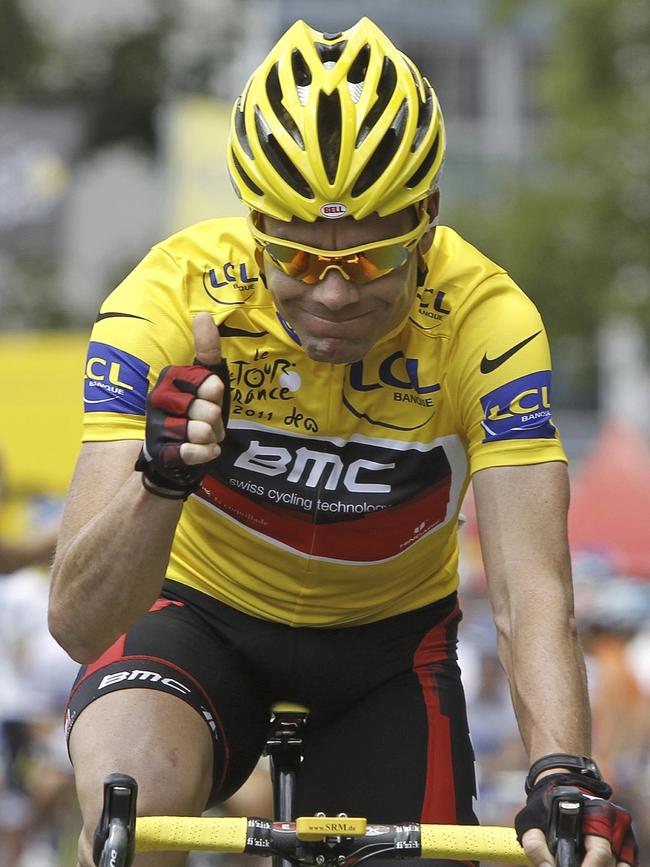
[(315, 386)]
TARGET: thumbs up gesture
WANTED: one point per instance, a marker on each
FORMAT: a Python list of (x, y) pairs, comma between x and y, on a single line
[(206, 428), (187, 412)]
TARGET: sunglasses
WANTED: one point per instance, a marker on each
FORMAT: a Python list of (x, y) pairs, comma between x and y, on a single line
[(360, 264)]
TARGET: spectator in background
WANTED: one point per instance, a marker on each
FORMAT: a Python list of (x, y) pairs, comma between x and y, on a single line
[(37, 548), (35, 783), (500, 756), (613, 616)]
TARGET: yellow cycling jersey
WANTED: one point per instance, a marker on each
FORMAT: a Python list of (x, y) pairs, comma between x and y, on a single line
[(335, 500)]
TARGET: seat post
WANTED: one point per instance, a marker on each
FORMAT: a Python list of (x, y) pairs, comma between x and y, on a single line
[(284, 748)]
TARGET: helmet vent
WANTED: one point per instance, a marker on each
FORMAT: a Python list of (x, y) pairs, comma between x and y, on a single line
[(385, 88), (329, 131), (384, 153), (301, 75), (278, 158), (425, 113), (329, 54), (274, 93), (357, 73), (425, 165), (240, 130), (250, 183), (355, 91), (359, 66), (301, 72), (417, 78)]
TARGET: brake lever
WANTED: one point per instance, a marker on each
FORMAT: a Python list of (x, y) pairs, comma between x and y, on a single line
[(117, 822), (564, 833)]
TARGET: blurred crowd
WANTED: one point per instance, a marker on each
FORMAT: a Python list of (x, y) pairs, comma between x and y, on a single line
[(614, 621), (39, 821), (36, 797)]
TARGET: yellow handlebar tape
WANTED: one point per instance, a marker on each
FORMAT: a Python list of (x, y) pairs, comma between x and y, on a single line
[(185, 833), (468, 842), (456, 842)]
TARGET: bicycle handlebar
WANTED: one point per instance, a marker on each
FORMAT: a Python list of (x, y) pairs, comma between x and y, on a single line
[(319, 840), (257, 836)]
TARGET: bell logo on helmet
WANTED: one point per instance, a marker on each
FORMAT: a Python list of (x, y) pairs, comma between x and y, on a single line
[(333, 210)]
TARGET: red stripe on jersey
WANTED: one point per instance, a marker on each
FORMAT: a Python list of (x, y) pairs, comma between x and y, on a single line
[(371, 536), (439, 804)]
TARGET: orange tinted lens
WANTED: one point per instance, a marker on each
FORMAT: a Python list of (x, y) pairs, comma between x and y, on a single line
[(386, 258), (291, 260), (377, 262), (359, 267)]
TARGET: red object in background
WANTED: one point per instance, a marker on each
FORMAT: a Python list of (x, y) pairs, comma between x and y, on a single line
[(610, 501)]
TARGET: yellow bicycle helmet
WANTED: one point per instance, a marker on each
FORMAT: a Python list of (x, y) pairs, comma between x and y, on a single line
[(333, 125)]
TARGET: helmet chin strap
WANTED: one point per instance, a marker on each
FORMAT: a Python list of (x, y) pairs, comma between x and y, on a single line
[(422, 270)]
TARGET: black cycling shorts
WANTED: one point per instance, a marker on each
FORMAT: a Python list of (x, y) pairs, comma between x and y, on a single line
[(387, 736)]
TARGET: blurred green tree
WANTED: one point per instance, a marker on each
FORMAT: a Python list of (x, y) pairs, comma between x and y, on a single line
[(23, 50), (120, 74), (575, 227), (114, 71), (121, 98)]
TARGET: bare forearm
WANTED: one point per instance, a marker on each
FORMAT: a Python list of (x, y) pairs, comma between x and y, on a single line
[(109, 573), (546, 672), (522, 516)]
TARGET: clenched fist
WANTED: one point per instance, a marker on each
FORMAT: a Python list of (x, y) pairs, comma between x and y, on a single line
[(187, 413)]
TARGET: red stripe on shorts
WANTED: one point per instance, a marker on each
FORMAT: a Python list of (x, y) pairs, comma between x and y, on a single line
[(113, 654), (116, 651), (439, 804)]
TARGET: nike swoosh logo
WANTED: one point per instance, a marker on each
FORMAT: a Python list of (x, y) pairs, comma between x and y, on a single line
[(490, 364), (120, 315), (227, 331)]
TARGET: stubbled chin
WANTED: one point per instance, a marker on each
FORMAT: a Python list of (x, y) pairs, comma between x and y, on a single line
[(332, 350)]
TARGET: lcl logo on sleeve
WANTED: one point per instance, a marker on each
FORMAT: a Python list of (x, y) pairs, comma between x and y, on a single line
[(115, 381), (520, 409)]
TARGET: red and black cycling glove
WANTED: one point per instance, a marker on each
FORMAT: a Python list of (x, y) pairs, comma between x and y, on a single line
[(600, 817), (164, 472)]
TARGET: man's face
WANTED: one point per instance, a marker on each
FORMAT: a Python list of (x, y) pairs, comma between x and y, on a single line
[(337, 320)]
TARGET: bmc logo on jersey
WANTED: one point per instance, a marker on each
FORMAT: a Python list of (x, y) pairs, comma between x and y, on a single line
[(520, 409), (317, 475), (357, 500), (313, 468), (115, 381)]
